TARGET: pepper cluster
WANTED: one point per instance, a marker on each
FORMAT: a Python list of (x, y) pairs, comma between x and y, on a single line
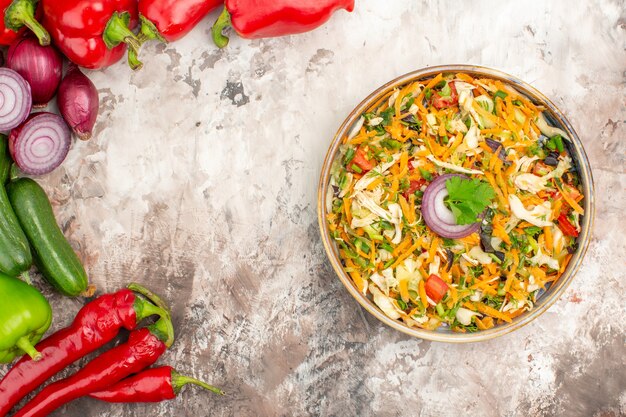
[(102, 31)]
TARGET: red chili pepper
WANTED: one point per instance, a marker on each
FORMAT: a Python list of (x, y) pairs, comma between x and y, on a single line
[(93, 33), (150, 386), (96, 324), (567, 227), (253, 19), (170, 20), (18, 15), (143, 348)]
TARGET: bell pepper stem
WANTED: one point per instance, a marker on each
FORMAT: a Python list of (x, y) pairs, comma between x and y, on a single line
[(217, 30), (24, 344), (21, 13), (117, 31), (179, 381), (140, 289), (164, 330), (149, 31)]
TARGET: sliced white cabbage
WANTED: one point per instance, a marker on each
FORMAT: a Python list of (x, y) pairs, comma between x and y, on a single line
[(379, 169), (531, 285), (356, 127), (530, 182), (472, 137), (393, 97), (558, 238), (456, 125), (514, 304), (396, 219), (464, 316), (384, 303), (365, 200), (523, 164), (453, 167), (362, 221), (548, 130), (469, 259), (542, 259), (413, 109), (538, 216), (485, 102), (432, 122), (433, 268), (466, 97), (390, 279), (477, 296), (478, 254), (375, 121), (346, 188), (380, 281)]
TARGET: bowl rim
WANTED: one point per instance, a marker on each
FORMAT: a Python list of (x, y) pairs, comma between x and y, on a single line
[(555, 291)]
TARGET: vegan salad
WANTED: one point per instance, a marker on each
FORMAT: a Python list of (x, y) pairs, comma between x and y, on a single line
[(455, 203)]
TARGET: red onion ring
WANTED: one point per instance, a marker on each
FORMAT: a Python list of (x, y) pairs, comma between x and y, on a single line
[(15, 99), (437, 216), (41, 144)]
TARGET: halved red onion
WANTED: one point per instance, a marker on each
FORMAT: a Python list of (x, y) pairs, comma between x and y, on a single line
[(40, 144), (440, 218), (15, 99)]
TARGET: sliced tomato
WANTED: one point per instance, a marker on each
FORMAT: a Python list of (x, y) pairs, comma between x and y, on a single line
[(436, 288), (567, 227), (440, 102), (540, 169), (414, 185), (360, 160)]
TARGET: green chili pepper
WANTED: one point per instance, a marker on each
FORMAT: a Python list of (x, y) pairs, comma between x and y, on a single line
[(25, 316), (558, 143)]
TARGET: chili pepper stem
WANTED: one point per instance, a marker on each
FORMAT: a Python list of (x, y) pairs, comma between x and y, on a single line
[(164, 330), (179, 381), (24, 344), (117, 31), (21, 13), (140, 289), (145, 308), (217, 30), (24, 276)]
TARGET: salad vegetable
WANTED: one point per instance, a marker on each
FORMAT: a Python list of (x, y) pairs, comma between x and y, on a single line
[(454, 203)]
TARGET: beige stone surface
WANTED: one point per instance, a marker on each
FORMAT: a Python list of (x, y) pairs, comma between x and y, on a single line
[(201, 183)]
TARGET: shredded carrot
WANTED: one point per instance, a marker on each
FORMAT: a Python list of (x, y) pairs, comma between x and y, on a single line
[(549, 243), (403, 284), (406, 210), (573, 204), (405, 243), (490, 311), (405, 255), (346, 207), (422, 292)]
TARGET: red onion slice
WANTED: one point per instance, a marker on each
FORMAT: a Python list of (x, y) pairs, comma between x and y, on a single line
[(15, 99), (41, 144), (440, 218)]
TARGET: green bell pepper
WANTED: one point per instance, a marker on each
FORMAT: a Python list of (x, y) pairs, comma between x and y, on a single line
[(25, 315)]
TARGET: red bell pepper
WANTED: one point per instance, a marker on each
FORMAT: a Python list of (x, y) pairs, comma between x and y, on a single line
[(253, 19), (436, 288), (95, 325), (93, 33), (566, 226), (143, 348), (18, 15), (170, 20), (150, 386)]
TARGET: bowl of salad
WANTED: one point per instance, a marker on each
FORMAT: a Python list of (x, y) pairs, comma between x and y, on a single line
[(456, 203)]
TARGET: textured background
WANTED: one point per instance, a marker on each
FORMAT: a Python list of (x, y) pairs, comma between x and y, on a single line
[(201, 183)]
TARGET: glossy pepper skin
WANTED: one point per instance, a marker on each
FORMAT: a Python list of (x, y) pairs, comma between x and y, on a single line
[(96, 324), (253, 19), (92, 33), (19, 15), (150, 386), (170, 20), (25, 315), (143, 348)]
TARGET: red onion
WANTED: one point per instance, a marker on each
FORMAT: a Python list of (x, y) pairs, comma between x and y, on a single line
[(15, 99), (437, 216), (40, 65), (78, 102), (40, 144)]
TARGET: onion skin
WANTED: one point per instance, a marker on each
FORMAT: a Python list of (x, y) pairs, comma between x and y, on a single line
[(436, 221), (41, 67), (78, 102)]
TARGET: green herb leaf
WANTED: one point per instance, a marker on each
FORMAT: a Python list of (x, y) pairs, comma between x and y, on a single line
[(467, 198), (426, 175)]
